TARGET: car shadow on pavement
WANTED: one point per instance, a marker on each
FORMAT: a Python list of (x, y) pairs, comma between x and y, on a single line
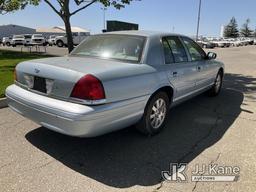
[(125, 158)]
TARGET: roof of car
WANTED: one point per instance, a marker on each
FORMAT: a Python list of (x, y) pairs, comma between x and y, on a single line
[(144, 33)]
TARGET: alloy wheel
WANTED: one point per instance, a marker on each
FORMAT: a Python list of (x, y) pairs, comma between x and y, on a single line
[(158, 113)]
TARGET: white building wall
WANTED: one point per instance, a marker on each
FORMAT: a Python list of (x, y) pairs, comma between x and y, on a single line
[(222, 28)]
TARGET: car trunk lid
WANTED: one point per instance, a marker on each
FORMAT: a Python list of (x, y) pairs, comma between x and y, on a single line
[(57, 76)]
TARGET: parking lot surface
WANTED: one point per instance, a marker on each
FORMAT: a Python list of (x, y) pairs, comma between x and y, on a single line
[(203, 130)]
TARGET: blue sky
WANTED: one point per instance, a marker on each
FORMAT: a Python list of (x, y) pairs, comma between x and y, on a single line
[(160, 15)]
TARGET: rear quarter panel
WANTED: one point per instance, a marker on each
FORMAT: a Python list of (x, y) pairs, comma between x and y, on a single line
[(137, 81)]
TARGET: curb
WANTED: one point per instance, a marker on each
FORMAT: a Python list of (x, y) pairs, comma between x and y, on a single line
[(3, 103)]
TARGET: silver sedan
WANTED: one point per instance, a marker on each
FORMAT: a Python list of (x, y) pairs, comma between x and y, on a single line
[(114, 80)]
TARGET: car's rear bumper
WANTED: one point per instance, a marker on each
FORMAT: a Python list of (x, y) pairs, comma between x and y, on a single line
[(75, 119)]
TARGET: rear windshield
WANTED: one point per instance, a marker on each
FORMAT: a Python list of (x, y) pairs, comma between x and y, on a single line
[(119, 47)]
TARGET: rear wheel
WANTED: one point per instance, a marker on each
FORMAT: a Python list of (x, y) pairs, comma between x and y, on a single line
[(8, 44), (215, 90), (155, 114)]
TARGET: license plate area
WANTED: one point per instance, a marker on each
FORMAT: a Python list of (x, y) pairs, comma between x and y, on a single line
[(40, 84)]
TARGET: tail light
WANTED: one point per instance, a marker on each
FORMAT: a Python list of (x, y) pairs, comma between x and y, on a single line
[(88, 88)]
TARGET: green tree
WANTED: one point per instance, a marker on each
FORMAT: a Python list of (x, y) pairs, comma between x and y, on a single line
[(62, 9), (7, 6), (245, 30), (231, 30)]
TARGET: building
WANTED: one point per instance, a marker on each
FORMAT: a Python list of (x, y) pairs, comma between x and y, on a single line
[(59, 30), (222, 29), (10, 30), (121, 26)]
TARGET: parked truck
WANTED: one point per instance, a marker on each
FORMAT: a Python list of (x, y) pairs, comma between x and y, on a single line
[(78, 37)]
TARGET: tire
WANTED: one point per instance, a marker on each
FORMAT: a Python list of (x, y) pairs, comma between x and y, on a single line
[(215, 90), (8, 44), (59, 43), (155, 114)]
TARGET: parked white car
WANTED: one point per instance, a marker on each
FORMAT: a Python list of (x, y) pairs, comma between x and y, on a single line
[(17, 40), (6, 41), (27, 38), (254, 41), (221, 43), (77, 39), (37, 39), (206, 44), (51, 40), (236, 42)]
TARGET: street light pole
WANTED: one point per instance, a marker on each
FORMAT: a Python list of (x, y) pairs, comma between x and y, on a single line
[(104, 17), (198, 20)]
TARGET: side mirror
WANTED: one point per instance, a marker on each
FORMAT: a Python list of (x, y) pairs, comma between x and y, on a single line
[(211, 55)]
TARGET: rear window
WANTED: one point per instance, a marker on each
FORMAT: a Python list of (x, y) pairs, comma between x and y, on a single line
[(119, 47)]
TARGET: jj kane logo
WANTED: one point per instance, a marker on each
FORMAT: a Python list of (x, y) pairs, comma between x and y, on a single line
[(202, 173)]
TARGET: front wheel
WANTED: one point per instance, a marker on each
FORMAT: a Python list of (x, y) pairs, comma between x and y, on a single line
[(215, 90), (155, 114), (60, 43)]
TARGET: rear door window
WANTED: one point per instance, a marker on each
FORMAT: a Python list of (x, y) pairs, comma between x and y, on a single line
[(167, 52), (177, 49)]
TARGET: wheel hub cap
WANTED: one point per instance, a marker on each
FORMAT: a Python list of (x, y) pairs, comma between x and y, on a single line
[(158, 113)]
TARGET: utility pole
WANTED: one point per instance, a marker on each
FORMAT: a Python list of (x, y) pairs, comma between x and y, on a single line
[(173, 29), (198, 20), (104, 17)]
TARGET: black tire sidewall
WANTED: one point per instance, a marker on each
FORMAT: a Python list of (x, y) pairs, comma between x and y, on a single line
[(146, 118), (60, 44), (213, 91), (221, 81)]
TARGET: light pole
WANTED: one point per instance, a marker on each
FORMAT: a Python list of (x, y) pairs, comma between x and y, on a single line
[(173, 29), (198, 20), (104, 17)]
